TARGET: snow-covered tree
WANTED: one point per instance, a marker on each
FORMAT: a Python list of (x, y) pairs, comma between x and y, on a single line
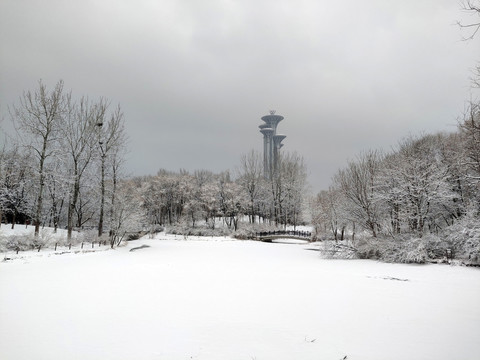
[(327, 214), (57, 189), (209, 193), (293, 178), (232, 200), (38, 117), (15, 186), (415, 187), (250, 178), (110, 136), (127, 215), (78, 139), (358, 185), (470, 130)]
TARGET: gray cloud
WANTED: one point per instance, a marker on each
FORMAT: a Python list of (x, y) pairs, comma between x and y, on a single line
[(194, 77)]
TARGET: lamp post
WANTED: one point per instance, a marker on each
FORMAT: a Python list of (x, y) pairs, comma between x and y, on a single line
[(102, 178)]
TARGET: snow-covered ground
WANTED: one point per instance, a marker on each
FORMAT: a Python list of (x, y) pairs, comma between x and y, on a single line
[(223, 299)]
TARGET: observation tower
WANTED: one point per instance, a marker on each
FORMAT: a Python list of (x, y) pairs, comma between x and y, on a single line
[(271, 143)]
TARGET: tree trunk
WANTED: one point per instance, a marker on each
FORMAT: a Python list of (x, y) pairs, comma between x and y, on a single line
[(14, 219), (102, 198), (38, 212), (71, 206), (114, 190)]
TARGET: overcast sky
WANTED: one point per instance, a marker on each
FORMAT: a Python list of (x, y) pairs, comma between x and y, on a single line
[(193, 77)]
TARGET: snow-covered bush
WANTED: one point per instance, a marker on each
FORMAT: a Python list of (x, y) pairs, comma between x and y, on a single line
[(19, 242), (155, 229), (331, 249), (463, 238), (370, 248), (409, 251), (461, 241), (43, 239), (437, 247), (244, 233), (183, 229), (398, 250), (26, 241), (90, 236)]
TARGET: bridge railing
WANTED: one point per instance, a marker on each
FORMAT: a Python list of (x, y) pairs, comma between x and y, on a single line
[(296, 233)]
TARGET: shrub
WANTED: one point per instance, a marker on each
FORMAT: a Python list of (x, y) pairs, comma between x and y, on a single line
[(198, 231), (331, 249), (463, 238), (19, 242), (43, 239), (88, 236), (370, 248), (398, 250), (407, 251), (155, 229)]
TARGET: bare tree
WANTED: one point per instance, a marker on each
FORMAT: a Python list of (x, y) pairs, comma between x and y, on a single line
[(78, 141), (470, 132), (116, 163), (2, 180), (110, 136), (471, 7), (209, 201), (127, 215), (150, 200), (293, 178), (418, 192), (57, 190), (357, 183), (38, 117), (250, 177), (327, 213), (232, 200)]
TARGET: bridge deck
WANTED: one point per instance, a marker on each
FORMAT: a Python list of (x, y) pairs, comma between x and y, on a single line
[(270, 238)]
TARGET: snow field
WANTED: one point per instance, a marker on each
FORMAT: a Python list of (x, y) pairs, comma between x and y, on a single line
[(222, 299)]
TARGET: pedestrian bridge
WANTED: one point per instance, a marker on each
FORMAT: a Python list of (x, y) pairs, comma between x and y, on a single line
[(269, 236)]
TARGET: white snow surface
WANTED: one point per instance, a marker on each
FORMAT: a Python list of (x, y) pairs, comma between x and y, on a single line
[(223, 299)]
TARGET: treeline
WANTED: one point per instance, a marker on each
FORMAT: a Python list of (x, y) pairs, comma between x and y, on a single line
[(64, 169), (423, 189), (203, 198), (63, 166)]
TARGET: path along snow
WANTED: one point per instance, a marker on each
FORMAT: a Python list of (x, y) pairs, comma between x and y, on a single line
[(222, 299)]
